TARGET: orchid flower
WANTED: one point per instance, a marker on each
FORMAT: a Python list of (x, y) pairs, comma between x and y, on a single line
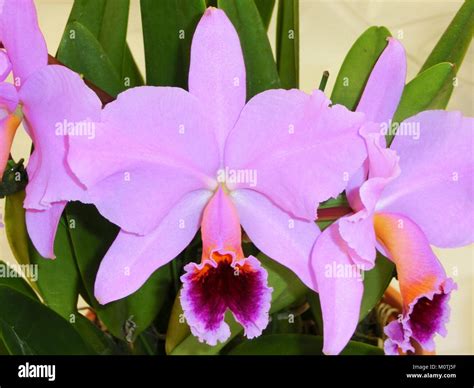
[(402, 200), (49, 97), (166, 162)]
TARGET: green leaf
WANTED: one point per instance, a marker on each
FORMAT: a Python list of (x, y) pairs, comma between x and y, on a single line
[(168, 28), (297, 344), (262, 73), (287, 289), (452, 47), (99, 341), (265, 9), (80, 51), (357, 66), (58, 279), (287, 44), (91, 237), (13, 279), (113, 31), (454, 42), (107, 21), (15, 227), (425, 91), (89, 13), (376, 282), (28, 327)]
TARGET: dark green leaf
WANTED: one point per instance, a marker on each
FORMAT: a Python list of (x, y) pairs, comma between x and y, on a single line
[(425, 91), (287, 289), (113, 31), (297, 344), (261, 69), (287, 44), (106, 20), (89, 13), (99, 341), (168, 27), (14, 178), (28, 327), (81, 51), (58, 279), (91, 238), (265, 9), (376, 282), (357, 66)]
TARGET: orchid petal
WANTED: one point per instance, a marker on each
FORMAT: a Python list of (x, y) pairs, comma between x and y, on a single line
[(224, 279), (8, 97), (288, 139), (381, 168), (132, 259), (54, 98), (385, 85), (153, 143), (8, 127), (277, 234), (218, 284), (436, 186), (217, 72), (220, 228), (5, 65), (340, 289), (42, 226), (424, 286), (22, 38)]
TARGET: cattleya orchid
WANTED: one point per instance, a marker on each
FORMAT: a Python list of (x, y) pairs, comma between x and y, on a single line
[(181, 160), (401, 198), (45, 96)]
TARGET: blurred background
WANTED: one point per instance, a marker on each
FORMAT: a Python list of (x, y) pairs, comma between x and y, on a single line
[(327, 31)]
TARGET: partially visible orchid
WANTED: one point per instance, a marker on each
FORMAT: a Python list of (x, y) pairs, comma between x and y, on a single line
[(173, 161), (402, 199), (48, 97)]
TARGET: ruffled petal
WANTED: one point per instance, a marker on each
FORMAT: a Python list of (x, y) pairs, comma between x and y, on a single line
[(381, 168), (22, 38), (132, 259), (54, 99), (424, 286), (287, 139), (277, 234), (42, 226), (217, 72), (340, 287), (153, 143), (436, 186), (222, 283), (385, 85)]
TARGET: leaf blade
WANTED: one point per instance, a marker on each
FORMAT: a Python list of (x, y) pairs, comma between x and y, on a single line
[(357, 66)]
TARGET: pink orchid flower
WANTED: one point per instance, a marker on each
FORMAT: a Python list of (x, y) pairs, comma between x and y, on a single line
[(50, 97), (417, 193), (166, 162)]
